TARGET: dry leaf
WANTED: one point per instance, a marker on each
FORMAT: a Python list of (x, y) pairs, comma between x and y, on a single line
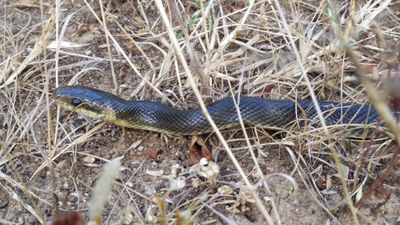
[(198, 150), (152, 153), (68, 218), (268, 89)]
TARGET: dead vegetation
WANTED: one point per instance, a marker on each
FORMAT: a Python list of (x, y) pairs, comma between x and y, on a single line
[(188, 53)]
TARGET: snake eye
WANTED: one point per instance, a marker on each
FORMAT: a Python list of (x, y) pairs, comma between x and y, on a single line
[(76, 102)]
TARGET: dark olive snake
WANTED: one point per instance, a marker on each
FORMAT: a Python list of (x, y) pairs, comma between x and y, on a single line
[(153, 116)]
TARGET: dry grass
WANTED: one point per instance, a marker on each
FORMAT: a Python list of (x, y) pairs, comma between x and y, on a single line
[(188, 53)]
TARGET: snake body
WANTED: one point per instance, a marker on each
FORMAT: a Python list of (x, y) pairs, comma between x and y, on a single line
[(153, 116)]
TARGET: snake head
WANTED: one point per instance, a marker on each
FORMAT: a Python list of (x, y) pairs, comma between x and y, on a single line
[(87, 101)]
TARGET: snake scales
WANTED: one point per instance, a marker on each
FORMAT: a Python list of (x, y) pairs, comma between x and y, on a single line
[(153, 116)]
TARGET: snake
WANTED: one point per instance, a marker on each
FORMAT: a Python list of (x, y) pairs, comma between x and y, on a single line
[(271, 114)]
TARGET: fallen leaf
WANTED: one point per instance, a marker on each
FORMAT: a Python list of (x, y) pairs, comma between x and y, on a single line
[(198, 150), (68, 218), (268, 89), (152, 153)]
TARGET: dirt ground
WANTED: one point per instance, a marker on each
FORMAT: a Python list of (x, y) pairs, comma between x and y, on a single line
[(50, 158)]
